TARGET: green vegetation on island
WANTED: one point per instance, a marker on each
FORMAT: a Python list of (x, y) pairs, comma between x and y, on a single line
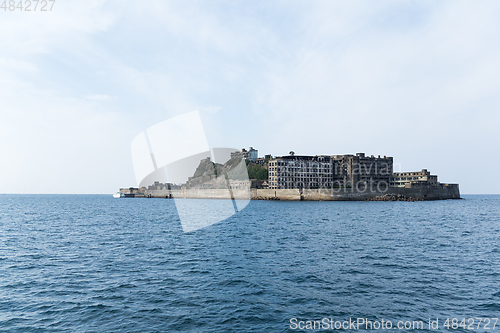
[(256, 171)]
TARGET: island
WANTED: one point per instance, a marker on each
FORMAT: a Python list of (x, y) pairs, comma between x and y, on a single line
[(245, 176)]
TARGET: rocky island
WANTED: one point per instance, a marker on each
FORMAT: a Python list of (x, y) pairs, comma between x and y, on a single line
[(301, 177)]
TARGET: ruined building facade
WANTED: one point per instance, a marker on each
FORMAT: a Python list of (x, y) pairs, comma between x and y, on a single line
[(300, 172), (251, 154), (312, 172), (414, 179)]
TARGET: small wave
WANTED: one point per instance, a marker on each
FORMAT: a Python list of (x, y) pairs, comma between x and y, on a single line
[(489, 306)]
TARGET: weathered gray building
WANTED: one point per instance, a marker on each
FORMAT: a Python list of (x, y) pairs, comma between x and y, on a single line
[(414, 179), (293, 171), (251, 154), (311, 172), (342, 171), (362, 170)]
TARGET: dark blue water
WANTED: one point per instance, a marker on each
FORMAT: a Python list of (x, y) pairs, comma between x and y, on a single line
[(81, 263)]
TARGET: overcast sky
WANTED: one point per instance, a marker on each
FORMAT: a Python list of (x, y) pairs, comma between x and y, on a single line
[(416, 80)]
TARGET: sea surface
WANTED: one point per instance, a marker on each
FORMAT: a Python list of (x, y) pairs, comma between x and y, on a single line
[(91, 263)]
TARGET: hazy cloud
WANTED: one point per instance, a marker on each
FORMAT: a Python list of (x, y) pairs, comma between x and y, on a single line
[(415, 80)]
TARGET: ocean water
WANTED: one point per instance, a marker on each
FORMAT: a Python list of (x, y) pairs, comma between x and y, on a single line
[(91, 263)]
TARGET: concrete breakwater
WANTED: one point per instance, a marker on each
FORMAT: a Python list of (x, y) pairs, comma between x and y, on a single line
[(441, 192)]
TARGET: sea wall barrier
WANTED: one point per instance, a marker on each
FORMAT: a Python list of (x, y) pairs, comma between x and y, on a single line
[(444, 191)]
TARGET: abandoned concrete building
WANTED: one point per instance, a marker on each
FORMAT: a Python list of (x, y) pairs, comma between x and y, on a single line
[(414, 179), (312, 172), (251, 154), (287, 172), (156, 186), (262, 160), (292, 171), (361, 169)]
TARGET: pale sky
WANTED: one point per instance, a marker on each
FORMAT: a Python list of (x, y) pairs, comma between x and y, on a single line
[(416, 80)]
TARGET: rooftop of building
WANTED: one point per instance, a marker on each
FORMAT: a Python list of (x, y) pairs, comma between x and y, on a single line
[(292, 155)]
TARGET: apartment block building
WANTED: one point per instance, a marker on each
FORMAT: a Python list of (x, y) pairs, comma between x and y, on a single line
[(293, 171), (311, 172), (414, 179), (251, 154)]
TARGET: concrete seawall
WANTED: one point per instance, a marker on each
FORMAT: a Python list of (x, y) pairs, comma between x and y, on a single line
[(441, 192)]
